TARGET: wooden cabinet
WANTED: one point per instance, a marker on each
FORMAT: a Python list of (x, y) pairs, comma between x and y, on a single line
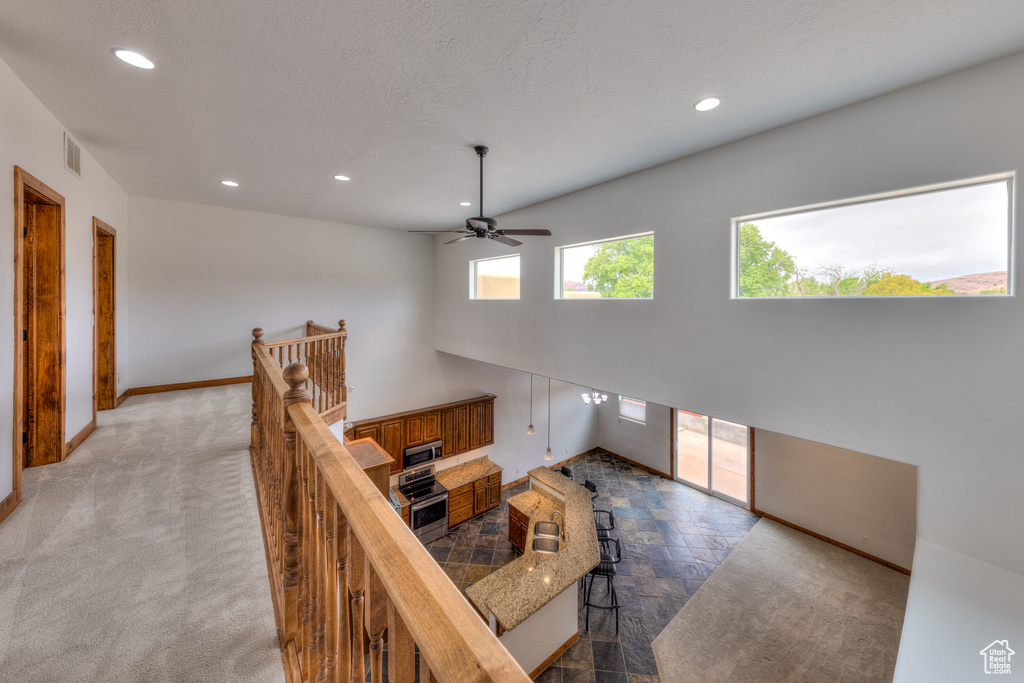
[(462, 426), (480, 496), (518, 523), (460, 505), (494, 491)]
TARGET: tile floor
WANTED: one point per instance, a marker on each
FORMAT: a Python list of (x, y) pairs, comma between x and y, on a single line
[(672, 538)]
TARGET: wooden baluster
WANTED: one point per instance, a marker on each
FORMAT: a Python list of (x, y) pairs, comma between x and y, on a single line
[(343, 380), (295, 376), (344, 621), (322, 563), (320, 373), (254, 438), (401, 648), (376, 621), (330, 586), (425, 673), (309, 558), (357, 587)]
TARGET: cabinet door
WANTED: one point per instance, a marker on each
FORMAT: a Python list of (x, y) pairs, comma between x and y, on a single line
[(461, 429), (516, 532), (431, 426), (494, 494), (391, 441), (480, 497), (488, 423), (448, 446), (367, 431), (476, 425), (414, 430)]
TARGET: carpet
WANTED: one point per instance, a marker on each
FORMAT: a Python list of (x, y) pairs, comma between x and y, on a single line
[(140, 557), (784, 606)]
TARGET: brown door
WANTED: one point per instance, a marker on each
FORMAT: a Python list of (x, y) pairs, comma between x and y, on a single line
[(104, 310), (39, 383)]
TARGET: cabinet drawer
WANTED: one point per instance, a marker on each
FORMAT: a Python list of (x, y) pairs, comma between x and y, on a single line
[(456, 517), (480, 483), (514, 514), (496, 477), (459, 491), (461, 501)]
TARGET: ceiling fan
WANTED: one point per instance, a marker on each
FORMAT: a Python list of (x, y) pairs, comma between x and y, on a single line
[(483, 227)]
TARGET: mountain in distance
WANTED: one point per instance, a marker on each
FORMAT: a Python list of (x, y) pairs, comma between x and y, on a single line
[(974, 284)]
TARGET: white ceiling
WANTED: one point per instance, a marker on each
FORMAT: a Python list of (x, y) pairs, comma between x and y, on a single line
[(280, 96)]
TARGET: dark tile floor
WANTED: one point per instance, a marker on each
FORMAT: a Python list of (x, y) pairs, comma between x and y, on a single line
[(672, 538)]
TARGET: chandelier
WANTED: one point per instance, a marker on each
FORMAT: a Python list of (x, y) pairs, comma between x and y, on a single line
[(595, 397)]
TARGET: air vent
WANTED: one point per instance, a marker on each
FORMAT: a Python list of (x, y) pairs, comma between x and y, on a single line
[(72, 155)]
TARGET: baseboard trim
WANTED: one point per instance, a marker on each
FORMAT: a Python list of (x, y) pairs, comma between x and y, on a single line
[(634, 463), (8, 504), (202, 384), (78, 438), (839, 544), (120, 399), (555, 655)]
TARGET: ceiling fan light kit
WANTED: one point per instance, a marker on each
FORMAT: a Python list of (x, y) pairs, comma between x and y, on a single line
[(484, 227), (595, 397)]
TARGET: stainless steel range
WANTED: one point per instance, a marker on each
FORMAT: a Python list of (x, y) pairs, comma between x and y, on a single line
[(428, 502)]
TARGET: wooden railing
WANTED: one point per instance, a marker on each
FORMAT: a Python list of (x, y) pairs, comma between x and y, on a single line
[(346, 573), (322, 351)]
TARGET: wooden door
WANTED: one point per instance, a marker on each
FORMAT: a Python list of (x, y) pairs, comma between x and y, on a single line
[(40, 347), (392, 441), (448, 447), (476, 426), (462, 429), (104, 312), (479, 496), (431, 426), (414, 430), (370, 431), (493, 494), (487, 419)]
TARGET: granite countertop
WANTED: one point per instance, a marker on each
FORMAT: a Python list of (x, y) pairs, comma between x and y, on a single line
[(519, 589), (467, 472)]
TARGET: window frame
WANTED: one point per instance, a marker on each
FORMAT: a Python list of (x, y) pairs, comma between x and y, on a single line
[(634, 400), (1009, 177), (559, 262), (473, 277)]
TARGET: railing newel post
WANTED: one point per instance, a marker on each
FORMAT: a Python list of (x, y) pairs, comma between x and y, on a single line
[(295, 376)]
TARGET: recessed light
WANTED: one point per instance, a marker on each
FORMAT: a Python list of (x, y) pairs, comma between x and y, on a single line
[(342, 177), (229, 183), (465, 204), (707, 104), (133, 58)]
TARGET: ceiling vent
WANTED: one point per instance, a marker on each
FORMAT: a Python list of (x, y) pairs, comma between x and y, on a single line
[(72, 155)]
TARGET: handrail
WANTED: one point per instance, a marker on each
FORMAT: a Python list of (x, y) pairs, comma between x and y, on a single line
[(324, 355), (330, 533)]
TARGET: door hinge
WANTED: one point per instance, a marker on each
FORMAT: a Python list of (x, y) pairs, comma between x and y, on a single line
[(24, 437)]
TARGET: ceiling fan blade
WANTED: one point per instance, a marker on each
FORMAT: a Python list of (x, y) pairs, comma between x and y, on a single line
[(459, 239), (438, 232), (538, 233), (505, 240)]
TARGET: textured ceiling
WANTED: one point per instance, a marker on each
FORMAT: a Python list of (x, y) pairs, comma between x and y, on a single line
[(280, 96)]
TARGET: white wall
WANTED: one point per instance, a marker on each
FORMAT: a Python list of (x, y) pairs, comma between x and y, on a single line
[(934, 382), (30, 137), (839, 493), (899, 379), (957, 606), (648, 444)]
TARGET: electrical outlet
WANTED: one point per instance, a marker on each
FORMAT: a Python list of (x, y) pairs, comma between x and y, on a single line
[(119, 377), (863, 539)]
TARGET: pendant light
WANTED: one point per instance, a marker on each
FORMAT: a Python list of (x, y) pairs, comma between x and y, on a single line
[(548, 455), (530, 430), (595, 397)]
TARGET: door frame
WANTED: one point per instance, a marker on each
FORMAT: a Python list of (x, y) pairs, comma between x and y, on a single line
[(102, 229), (28, 187)]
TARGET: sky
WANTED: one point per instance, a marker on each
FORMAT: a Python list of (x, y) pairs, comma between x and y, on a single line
[(929, 236)]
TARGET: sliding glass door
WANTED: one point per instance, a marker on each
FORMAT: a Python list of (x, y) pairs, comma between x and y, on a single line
[(712, 455)]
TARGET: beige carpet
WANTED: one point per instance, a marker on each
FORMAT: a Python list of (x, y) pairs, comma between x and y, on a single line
[(140, 557), (784, 606)]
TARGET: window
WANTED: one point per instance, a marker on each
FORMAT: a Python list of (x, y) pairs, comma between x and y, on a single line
[(619, 268), (946, 240), (494, 278), (633, 409)]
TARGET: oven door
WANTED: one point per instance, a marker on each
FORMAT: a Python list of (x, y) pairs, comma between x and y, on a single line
[(429, 513)]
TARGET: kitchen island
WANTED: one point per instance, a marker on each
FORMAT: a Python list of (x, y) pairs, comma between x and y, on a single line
[(531, 603)]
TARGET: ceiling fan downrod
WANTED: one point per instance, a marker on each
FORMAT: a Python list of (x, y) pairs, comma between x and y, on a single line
[(481, 152)]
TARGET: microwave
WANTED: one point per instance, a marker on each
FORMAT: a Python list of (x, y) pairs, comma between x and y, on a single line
[(422, 454)]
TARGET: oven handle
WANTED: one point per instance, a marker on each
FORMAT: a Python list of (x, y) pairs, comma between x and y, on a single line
[(428, 503)]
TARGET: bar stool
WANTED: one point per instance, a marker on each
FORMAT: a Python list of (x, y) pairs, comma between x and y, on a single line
[(566, 471), (605, 568), (589, 485), (604, 527)]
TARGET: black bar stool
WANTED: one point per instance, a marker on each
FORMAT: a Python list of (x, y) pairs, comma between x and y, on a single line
[(589, 485), (566, 471), (605, 526), (605, 568)]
